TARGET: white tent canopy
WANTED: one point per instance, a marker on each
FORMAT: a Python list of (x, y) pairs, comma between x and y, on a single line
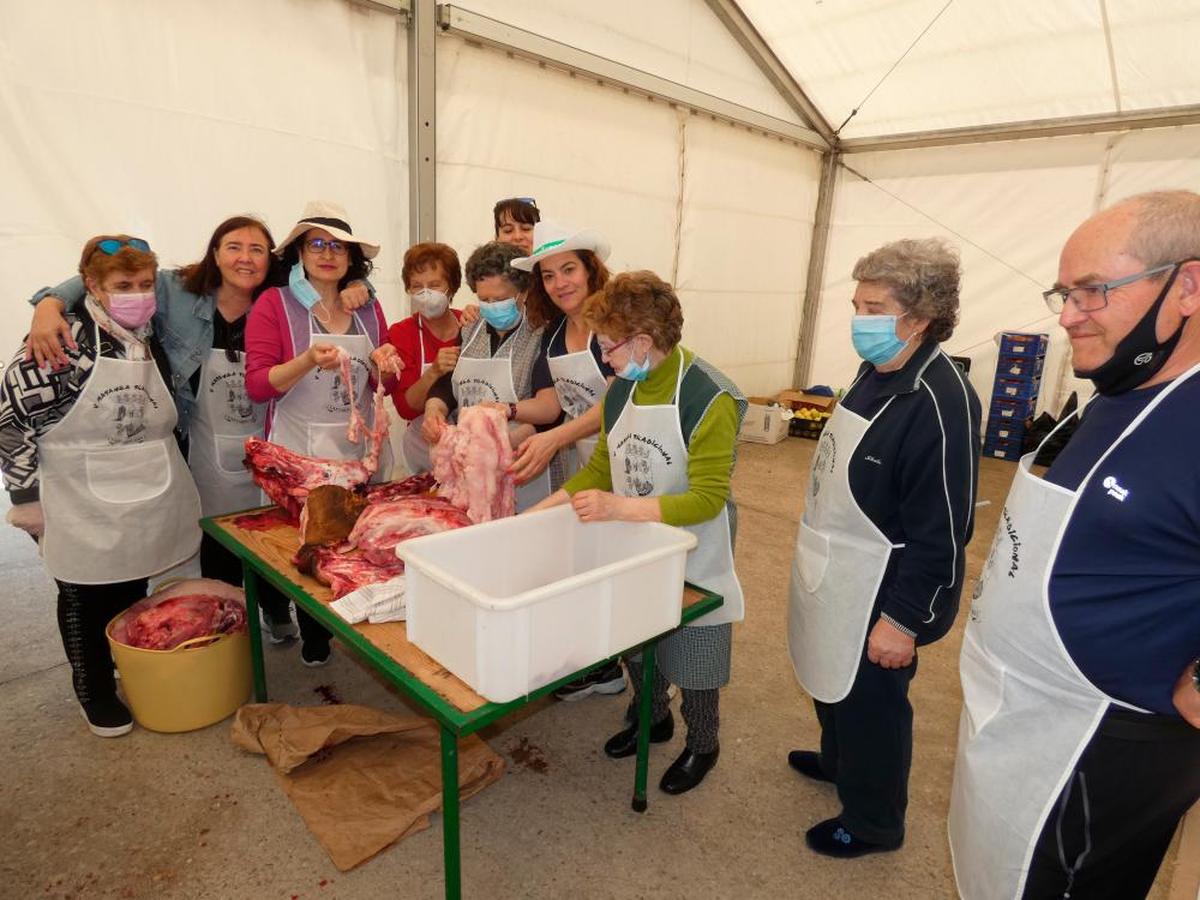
[(694, 133)]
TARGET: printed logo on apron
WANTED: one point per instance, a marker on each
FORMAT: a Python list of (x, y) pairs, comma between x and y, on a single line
[(123, 407), (228, 393), (824, 461)]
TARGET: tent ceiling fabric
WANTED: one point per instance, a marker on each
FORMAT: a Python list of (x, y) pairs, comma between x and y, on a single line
[(981, 62)]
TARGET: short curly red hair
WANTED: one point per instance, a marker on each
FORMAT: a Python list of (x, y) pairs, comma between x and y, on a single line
[(428, 254), (636, 303)]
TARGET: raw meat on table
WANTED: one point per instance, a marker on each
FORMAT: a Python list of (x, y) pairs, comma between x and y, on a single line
[(471, 462), (344, 572), (287, 477), (382, 526)]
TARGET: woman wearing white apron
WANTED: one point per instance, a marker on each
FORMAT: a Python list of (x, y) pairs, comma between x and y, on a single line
[(567, 265), (666, 453), (427, 341), (495, 363), (880, 549), (91, 462), (1079, 742), (294, 338)]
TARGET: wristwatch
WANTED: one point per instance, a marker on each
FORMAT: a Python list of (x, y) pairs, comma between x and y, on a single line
[(512, 411)]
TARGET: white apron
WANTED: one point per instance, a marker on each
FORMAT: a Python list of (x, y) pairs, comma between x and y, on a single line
[(311, 418), (648, 458), (119, 501), (1028, 712), (413, 447), (491, 380), (221, 421), (841, 557), (579, 384)]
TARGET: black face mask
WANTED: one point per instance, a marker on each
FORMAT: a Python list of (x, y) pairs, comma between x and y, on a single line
[(1139, 355)]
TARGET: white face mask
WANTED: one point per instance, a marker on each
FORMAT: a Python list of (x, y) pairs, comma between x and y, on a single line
[(429, 303)]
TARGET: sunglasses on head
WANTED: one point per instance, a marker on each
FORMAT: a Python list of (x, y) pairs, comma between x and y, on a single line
[(112, 246), (528, 200)]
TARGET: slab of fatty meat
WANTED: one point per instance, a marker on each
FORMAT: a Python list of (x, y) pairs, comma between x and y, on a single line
[(471, 462), (381, 526), (287, 477)]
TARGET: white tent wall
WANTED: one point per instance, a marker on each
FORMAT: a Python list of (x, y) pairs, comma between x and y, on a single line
[(679, 40), (162, 119), (978, 62), (725, 213), (1008, 207)]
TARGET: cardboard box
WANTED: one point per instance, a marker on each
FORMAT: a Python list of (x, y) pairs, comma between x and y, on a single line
[(797, 400), (764, 424)]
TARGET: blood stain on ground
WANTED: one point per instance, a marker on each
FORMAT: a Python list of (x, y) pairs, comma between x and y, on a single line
[(328, 694), (529, 756)]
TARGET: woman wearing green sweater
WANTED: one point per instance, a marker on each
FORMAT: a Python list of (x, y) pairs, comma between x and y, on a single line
[(668, 431)]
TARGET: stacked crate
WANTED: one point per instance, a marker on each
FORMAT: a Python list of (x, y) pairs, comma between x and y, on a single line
[(1018, 380)]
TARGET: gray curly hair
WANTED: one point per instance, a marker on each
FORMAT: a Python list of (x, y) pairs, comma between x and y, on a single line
[(923, 275), (495, 258)]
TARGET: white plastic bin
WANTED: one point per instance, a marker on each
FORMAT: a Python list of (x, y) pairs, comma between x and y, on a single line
[(512, 605)]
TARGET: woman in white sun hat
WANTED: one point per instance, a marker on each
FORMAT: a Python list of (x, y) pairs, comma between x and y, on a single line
[(293, 340), (567, 265)]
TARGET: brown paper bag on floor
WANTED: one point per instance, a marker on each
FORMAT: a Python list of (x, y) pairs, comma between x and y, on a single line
[(361, 778)]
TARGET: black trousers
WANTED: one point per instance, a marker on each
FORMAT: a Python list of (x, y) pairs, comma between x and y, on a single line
[(866, 745), (84, 611), (1106, 836)]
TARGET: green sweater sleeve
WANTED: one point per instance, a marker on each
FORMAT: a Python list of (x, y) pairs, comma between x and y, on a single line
[(710, 463)]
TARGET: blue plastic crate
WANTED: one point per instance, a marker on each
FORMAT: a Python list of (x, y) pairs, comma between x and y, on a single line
[(1018, 343), (1013, 410), (1005, 429), (1020, 366), (1003, 449), (1017, 388)]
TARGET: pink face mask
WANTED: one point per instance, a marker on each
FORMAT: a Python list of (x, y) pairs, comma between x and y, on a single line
[(132, 310)]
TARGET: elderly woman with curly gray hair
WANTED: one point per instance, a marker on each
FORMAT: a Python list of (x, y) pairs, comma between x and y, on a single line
[(879, 564)]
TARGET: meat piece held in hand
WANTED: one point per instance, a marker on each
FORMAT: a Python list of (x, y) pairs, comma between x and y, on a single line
[(471, 462), (287, 477)]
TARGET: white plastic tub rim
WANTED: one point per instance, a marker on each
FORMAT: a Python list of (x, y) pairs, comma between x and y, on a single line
[(410, 552)]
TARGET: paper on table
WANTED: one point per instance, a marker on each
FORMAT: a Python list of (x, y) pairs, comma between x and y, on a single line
[(374, 603)]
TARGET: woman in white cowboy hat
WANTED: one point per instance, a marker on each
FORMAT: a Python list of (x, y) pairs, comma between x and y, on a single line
[(567, 265), (293, 340)]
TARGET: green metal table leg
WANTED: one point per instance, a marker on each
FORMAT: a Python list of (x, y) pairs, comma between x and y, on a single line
[(643, 740), (250, 584), (452, 857)]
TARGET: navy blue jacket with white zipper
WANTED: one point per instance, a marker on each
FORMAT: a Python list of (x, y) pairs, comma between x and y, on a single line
[(915, 475)]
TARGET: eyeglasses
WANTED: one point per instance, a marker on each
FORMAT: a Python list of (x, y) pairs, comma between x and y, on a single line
[(112, 246), (317, 245), (1092, 297), (608, 351)]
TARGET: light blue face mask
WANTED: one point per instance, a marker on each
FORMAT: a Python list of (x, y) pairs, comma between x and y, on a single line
[(875, 338), (302, 289), (634, 371), (501, 314)]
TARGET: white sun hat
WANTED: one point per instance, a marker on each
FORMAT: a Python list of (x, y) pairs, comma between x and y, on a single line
[(331, 217), (550, 238)]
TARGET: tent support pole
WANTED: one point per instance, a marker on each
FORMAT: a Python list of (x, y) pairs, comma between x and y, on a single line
[(422, 122), (816, 270)]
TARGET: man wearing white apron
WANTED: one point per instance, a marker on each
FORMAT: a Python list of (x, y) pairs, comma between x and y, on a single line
[(495, 364), (1079, 743), (90, 458), (666, 453), (880, 549)]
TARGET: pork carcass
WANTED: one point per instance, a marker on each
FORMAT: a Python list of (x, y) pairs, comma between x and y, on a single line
[(378, 431), (471, 462), (287, 477), (345, 572), (382, 526)]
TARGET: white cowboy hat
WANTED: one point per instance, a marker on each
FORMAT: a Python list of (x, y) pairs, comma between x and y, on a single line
[(550, 238), (331, 217)]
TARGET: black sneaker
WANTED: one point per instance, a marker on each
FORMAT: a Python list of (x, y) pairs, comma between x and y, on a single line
[(107, 718), (609, 679), (280, 631), (314, 656)]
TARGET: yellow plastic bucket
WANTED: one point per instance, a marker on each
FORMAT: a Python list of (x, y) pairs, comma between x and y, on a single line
[(200, 682)]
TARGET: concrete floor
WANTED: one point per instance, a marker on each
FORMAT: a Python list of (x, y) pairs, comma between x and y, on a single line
[(170, 816)]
